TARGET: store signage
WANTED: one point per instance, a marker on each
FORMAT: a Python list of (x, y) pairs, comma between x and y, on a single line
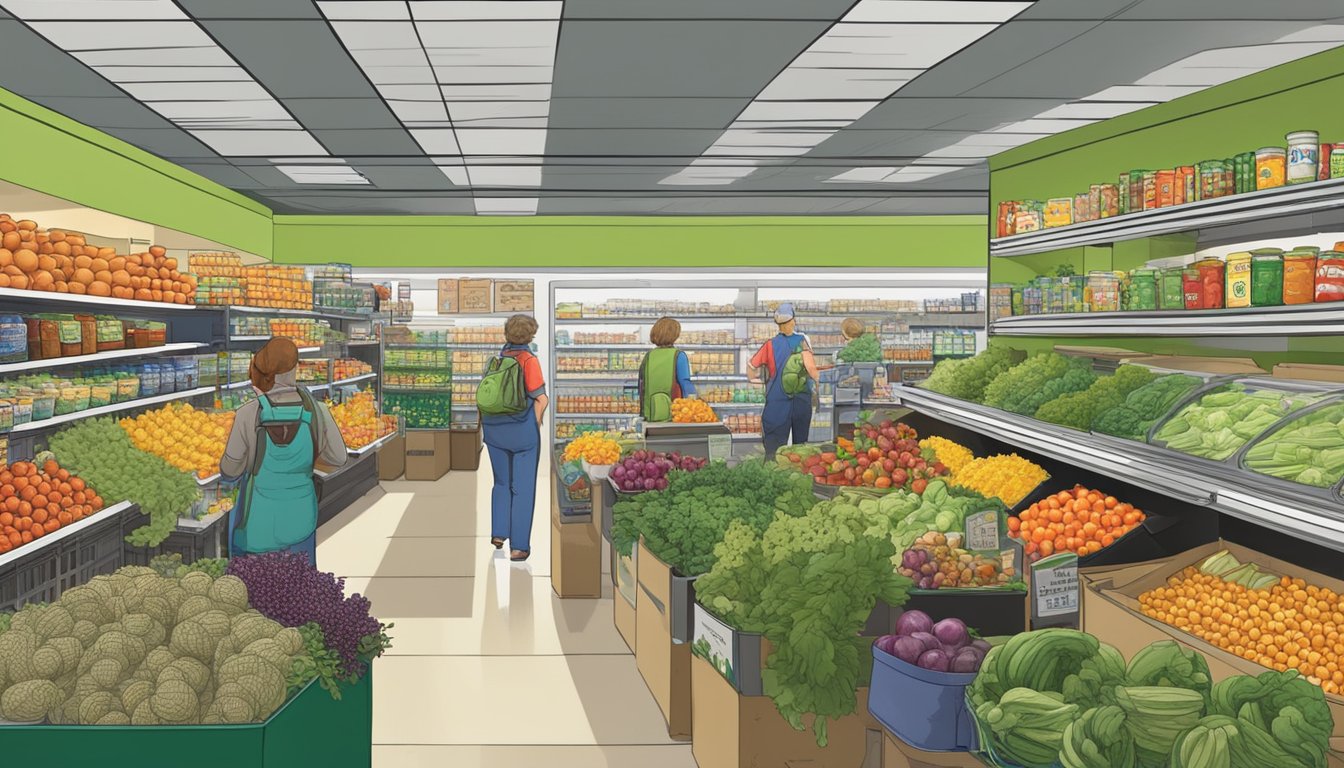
[(982, 531), (1054, 586), (720, 447)]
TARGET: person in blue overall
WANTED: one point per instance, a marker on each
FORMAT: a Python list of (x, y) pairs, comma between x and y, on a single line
[(271, 450), (784, 415), (514, 443)]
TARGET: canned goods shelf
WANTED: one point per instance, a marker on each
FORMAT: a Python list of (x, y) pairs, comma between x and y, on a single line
[(99, 357), (1297, 320), (103, 410)]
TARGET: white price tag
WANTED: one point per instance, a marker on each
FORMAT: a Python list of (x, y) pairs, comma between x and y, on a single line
[(1054, 584), (982, 531), (720, 447)]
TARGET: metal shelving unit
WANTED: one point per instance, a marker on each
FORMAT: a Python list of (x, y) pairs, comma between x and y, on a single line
[(1324, 319)]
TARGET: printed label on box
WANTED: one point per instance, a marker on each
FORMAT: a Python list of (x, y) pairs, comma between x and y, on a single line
[(713, 642), (1054, 584), (982, 531)]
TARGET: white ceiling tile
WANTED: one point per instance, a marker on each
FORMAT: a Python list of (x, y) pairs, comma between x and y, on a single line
[(260, 143), (455, 171), (1082, 110), (1157, 93), (506, 206), (1042, 125), (358, 36), (478, 9), (207, 91), (437, 141), (495, 114), (451, 74), (102, 35), (365, 9), (497, 92), (913, 173), (322, 174), (257, 109), (1320, 32), (415, 112), (802, 83), (205, 56), (863, 175), (807, 110), (32, 10), (906, 46), (502, 141), (122, 74), (933, 10)]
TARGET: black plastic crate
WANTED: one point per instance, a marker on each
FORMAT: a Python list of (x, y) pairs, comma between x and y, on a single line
[(32, 580)]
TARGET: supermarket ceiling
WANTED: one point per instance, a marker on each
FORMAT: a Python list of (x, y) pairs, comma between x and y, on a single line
[(634, 107)]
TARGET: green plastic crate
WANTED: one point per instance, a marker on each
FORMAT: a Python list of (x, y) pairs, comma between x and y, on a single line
[(310, 729)]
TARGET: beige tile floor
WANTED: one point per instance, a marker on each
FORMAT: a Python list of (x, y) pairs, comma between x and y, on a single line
[(488, 667)]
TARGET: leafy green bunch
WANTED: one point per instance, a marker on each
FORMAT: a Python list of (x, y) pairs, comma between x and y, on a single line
[(1024, 388), (681, 524), (864, 349), (100, 452), (1143, 407), (967, 378), (809, 584), (1078, 409)]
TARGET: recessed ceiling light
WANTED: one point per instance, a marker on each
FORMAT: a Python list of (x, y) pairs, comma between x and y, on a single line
[(322, 174), (506, 206), (504, 175)]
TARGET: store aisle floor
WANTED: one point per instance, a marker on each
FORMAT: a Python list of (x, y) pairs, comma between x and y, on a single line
[(488, 667)]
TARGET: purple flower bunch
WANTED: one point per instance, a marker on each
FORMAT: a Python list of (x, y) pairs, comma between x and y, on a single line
[(285, 588)]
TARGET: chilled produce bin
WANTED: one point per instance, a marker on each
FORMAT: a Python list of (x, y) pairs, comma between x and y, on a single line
[(925, 708), (698, 440)]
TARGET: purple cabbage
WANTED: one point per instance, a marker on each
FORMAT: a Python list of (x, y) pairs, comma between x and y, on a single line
[(952, 632), (285, 588), (911, 622)]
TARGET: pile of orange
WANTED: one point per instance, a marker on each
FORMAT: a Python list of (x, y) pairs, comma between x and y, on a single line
[(1292, 625), (64, 262), (1081, 521), (189, 439), (359, 421), (35, 501), (687, 410)]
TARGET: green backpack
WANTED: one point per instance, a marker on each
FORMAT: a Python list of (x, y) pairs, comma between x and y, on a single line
[(794, 377), (501, 391), (657, 379)]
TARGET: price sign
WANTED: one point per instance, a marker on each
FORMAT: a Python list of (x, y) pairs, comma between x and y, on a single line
[(1054, 585), (720, 447), (982, 531)]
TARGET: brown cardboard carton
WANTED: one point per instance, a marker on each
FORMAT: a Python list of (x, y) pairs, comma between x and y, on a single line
[(625, 588), (1309, 372), (732, 730), (392, 458), (466, 449), (664, 664), (476, 296), (576, 556), (448, 296), (898, 754), (1111, 609), (428, 454), (1218, 365), (514, 296)]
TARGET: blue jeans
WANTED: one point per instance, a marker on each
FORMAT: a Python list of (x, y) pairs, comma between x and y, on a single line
[(791, 415), (514, 495)]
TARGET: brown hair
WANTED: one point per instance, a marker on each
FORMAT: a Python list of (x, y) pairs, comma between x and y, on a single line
[(852, 328), (279, 355), (520, 329), (665, 332)]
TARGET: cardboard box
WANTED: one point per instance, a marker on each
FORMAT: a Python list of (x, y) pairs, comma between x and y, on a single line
[(449, 302), (576, 556), (732, 730), (1310, 372), (475, 296), (625, 599), (392, 458), (898, 754), (1111, 609), (514, 296), (428, 454), (466, 449), (663, 661)]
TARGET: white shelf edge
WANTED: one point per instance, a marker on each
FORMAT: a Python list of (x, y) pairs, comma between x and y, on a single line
[(112, 354), (343, 382), (103, 410), (1325, 318), (107, 301), (23, 550), (205, 481), (188, 524), (317, 313), (375, 445)]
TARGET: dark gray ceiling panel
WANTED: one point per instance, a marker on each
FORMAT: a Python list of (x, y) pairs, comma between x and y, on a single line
[(669, 112), (357, 203), (250, 9), (816, 10)]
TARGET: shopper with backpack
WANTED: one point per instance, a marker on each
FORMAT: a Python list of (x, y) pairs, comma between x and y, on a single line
[(512, 401), (665, 374), (271, 450), (790, 371)]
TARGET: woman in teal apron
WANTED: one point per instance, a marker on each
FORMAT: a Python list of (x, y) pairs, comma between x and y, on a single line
[(275, 442)]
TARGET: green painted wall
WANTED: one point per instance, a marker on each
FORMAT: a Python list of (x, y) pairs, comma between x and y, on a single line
[(572, 241), (53, 154)]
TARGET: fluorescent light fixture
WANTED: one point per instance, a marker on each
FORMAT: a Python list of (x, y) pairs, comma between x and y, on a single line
[(112, 10), (507, 206), (260, 143), (322, 174), (365, 10), (933, 10), (464, 10), (1082, 110), (861, 61), (504, 175), (502, 141)]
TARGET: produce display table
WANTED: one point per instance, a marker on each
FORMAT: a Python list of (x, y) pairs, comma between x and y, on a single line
[(312, 728), (703, 441), (339, 487)]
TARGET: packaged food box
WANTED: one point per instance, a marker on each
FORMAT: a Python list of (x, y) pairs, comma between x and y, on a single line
[(448, 296), (476, 296), (514, 296)]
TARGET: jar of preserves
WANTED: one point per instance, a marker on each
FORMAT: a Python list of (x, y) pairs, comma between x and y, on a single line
[(1330, 276), (1303, 156), (1266, 277), (1194, 288), (1271, 167), (1299, 276), (1142, 293), (1211, 277), (1172, 295), (1238, 293)]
